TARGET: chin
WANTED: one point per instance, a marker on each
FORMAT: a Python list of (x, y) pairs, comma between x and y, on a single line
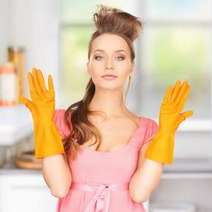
[(107, 86)]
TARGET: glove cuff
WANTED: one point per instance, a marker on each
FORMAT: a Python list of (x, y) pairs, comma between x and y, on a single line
[(161, 148), (48, 141)]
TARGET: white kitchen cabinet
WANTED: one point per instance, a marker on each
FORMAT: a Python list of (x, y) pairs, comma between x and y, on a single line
[(186, 181), (24, 192)]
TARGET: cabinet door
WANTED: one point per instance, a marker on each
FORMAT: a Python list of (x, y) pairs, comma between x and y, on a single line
[(25, 193)]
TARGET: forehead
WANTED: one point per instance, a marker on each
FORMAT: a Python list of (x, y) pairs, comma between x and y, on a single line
[(110, 43)]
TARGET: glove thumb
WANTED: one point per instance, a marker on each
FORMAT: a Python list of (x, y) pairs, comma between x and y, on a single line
[(184, 116), (26, 102)]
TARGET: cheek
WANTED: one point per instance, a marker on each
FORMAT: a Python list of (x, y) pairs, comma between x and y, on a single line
[(124, 69), (95, 69), (96, 64)]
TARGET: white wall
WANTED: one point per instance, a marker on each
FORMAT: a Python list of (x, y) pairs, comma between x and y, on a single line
[(34, 25), (3, 29)]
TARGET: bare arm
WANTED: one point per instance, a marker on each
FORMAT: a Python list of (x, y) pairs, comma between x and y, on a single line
[(146, 177), (160, 150), (57, 174)]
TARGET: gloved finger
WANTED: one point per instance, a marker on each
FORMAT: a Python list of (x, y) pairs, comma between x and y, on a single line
[(41, 81), (51, 85), (182, 117), (181, 102), (176, 90), (184, 98), (182, 92), (167, 95), (36, 82), (26, 102), (188, 113), (32, 89)]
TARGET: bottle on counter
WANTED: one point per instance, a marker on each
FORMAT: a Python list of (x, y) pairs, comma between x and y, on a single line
[(16, 55), (8, 85)]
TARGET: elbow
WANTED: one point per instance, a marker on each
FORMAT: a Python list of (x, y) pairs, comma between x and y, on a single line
[(60, 192), (140, 197)]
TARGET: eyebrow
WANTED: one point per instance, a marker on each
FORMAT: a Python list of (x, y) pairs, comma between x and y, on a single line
[(120, 50)]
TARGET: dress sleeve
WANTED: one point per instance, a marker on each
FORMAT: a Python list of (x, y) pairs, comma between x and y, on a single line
[(151, 130), (59, 121)]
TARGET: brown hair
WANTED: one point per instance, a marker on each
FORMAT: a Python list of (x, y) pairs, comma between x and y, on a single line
[(107, 20)]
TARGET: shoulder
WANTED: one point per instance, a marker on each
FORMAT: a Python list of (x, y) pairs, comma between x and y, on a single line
[(151, 127), (59, 113), (60, 122), (150, 122), (147, 126)]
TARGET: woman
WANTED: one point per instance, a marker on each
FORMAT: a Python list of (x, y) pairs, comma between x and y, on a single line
[(97, 155)]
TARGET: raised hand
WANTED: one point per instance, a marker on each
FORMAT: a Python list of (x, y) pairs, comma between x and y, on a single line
[(161, 148), (42, 106), (172, 105), (42, 101)]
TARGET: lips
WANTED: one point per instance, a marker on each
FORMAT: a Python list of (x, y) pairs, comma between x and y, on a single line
[(109, 75)]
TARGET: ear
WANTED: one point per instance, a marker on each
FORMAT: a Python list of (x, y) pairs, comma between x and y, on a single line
[(87, 65), (133, 65)]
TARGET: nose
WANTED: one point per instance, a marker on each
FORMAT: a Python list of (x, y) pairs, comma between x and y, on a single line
[(109, 63)]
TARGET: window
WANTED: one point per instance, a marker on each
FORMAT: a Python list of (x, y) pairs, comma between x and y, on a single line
[(175, 44), (76, 28)]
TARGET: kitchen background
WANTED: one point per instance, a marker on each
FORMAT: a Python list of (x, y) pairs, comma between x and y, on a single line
[(53, 35)]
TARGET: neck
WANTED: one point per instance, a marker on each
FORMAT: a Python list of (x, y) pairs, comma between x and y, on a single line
[(110, 102)]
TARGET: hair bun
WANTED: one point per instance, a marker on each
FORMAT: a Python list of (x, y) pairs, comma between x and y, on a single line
[(108, 19)]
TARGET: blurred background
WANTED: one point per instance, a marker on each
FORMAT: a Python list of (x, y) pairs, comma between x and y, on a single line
[(53, 35)]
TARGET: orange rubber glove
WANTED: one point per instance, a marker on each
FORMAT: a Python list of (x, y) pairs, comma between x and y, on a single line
[(161, 148), (47, 139)]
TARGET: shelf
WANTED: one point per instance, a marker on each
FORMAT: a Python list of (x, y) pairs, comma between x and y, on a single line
[(194, 125), (194, 175), (198, 168)]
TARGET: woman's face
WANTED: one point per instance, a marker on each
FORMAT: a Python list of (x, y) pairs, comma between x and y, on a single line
[(110, 55)]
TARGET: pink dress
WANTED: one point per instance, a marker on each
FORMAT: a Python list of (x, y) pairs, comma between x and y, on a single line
[(100, 179)]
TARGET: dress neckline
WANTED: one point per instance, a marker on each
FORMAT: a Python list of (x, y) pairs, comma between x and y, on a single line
[(122, 148)]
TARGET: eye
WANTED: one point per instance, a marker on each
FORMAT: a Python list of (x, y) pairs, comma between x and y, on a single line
[(121, 57), (97, 57)]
